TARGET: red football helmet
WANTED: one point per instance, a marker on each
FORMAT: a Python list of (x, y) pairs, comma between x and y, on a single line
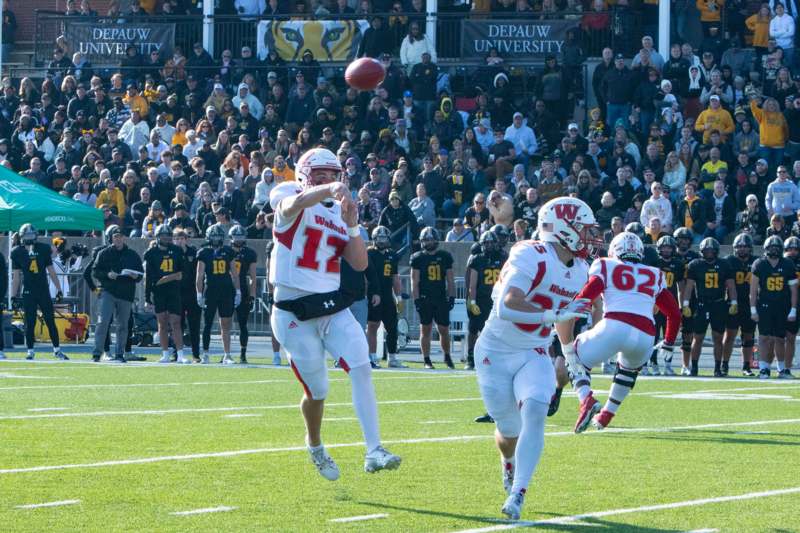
[(314, 160)]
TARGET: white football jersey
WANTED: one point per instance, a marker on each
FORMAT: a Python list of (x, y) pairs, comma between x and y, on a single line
[(308, 248), (553, 285), (628, 287)]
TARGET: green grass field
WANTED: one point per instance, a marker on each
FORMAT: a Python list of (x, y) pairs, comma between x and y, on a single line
[(125, 447)]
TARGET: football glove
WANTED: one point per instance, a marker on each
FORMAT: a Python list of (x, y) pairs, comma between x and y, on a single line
[(400, 305), (734, 308), (473, 308), (576, 309), (687, 311), (665, 350), (201, 301), (792, 316), (753, 314), (238, 298)]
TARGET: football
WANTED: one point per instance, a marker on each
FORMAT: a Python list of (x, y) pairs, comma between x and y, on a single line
[(364, 74)]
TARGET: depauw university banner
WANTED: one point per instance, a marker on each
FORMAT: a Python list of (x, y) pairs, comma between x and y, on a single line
[(104, 43), (328, 40), (514, 39)]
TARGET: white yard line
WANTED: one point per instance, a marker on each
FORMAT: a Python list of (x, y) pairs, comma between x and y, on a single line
[(645, 508), (340, 419), (358, 518), (48, 504), (45, 409), (242, 415), (215, 409), (454, 438), (220, 509), (439, 421), (706, 530)]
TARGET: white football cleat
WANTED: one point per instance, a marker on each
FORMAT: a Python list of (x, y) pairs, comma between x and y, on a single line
[(106, 357), (167, 358), (276, 360), (325, 464), (507, 471), (381, 459), (184, 361), (685, 371), (668, 371), (513, 506), (227, 359), (394, 362), (205, 359), (644, 371), (654, 369)]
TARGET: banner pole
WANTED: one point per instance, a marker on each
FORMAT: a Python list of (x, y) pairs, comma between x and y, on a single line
[(208, 26)]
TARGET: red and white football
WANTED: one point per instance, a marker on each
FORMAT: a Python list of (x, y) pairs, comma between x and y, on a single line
[(364, 74)]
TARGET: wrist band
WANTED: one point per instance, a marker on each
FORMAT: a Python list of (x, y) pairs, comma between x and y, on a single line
[(686, 303), (354, 231), (753, 310), (734, 302)]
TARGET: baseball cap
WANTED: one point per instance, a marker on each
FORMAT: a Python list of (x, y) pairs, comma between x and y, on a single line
[(407, 94), (714, 97), (179, 207), (371, 157), (619, 56), (444, 151), (458, 222), (211, 108), (762, 162), (517, 114), (272, 75), (218, 87), (572, 126)]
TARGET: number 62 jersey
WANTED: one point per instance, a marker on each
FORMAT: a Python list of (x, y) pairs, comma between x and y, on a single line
[(550, 284), (308, 248)]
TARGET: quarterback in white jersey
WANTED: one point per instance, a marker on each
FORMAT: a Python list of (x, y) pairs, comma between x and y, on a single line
[(536, 291), (630, 290), (316, 224)]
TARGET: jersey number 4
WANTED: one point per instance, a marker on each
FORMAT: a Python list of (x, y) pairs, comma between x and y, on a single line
[(624, 278), (311, 248)]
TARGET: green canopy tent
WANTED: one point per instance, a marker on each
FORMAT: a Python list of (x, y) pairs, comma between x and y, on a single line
[(23, 201)]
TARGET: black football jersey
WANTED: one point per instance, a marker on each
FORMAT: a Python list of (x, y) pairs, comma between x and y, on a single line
[(741, 272), (217, 262), (189, 269), (432, 272), (33, 264), (709, 278), (773, 281), (385, 264), (674, 270), (488, 269), (160, 262), (245, 256), (650, 257)]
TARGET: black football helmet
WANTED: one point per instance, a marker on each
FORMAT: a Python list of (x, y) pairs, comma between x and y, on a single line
[(743, 245), (429, 238), (773, 247), (709, 248), (666, 246)]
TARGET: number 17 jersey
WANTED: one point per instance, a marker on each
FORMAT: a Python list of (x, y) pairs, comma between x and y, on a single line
[(308, 248)]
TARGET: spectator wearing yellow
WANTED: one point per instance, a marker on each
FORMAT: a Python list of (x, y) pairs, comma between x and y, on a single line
[(710, 13), (758, 23), (135, 102), (281, 170), (714, 118), (773, 131), (111, 195)]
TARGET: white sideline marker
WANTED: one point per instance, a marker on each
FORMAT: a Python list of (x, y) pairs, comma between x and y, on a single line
[(48, 504), (643, 509), (358, 518), (437, 422), (220, 509), (452, 438)]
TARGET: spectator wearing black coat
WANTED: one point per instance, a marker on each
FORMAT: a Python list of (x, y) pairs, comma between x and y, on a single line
[(692, 210), (396, 215), (376, 41)]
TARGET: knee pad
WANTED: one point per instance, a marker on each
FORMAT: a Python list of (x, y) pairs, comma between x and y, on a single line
[(508, 423), (748, 343), (625, 377), (314, 382), (686, 343)]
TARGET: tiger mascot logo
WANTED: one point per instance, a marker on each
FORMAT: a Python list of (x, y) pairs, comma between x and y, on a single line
[(328, 40)]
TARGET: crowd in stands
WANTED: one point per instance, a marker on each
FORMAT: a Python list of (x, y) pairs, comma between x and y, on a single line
[(706, 138)]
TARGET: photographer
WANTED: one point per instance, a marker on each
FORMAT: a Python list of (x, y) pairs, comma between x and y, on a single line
[(65, 260), (118, 269)]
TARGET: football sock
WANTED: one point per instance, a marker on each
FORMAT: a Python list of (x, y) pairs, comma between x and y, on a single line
[(717, 366), (694, 366), (763, 365), (530, 443), (56, 349), (582, 385), (623, 383), (243, 352), (373, 357), (276, 355), (781, 366), (165, 353), (654, 357), (180, 353), (365, 404)]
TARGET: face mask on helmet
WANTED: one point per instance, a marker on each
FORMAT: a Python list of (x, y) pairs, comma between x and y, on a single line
[(774, 251), (709, 254), (743, 251), (490, 247), (792, 252), (430, 245), (165, 240), (683, 243), (665, 251)]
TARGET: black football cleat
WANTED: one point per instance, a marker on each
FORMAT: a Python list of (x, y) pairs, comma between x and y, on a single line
[(555, 402), (485, 419)]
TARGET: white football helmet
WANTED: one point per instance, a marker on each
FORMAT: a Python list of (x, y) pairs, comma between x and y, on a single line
[(626, 247), (316, 159), (570, 223)]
